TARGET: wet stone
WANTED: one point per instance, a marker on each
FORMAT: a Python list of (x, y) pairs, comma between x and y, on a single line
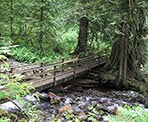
[(44, 97), (83, 116), (30, 99), (104, 102), (146, 101), (77, 109), (68, 100)]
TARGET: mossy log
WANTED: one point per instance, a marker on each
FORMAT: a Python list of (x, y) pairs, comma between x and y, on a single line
[(132, 84)]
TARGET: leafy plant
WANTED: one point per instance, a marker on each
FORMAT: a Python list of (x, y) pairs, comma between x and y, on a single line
[(128, 114), (14, 89), (3, 119), (24, 54)]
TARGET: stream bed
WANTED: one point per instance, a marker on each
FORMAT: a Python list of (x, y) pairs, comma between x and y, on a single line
[(86, 104), (77, 104)]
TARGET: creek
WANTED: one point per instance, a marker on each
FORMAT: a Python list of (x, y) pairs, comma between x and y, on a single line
[(81, 101), (80, 98)]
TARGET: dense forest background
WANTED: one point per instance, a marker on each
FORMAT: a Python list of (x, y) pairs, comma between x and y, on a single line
[(51, 29), (34, 31), (44, 30)]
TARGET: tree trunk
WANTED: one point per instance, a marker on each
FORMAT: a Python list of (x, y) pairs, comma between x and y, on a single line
[(123, 58), (11, 19), (41, 28), (129, 48), (83, 34)]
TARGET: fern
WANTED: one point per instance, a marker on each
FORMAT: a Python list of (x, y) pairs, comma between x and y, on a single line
[(127, 114)]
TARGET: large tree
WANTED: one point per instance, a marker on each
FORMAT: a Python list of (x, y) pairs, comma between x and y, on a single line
[(128, 51), (83, 36), (83, 31)]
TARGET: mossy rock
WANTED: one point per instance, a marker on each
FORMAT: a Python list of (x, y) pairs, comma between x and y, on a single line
[(3, 112), (138, 86), (107, 76)]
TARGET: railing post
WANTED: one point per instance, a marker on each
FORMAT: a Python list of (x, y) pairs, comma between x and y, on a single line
[(62, 64), (54, 75), (74, 72), (98, 57), (11, 69), (42, 70), (89, 64)]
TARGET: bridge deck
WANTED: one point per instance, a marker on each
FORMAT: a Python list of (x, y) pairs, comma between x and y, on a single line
[(60, 77), (46, 75)]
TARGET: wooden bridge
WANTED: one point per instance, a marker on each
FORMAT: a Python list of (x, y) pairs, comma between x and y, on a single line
[(45, 75)]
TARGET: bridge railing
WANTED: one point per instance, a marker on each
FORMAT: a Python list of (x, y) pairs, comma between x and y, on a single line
[(43, 63), (46, 71), (51, 71), (72, 66)]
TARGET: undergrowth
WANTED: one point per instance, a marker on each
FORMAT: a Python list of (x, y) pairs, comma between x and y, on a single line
[(24, 54), (14, 88), (128, 114)]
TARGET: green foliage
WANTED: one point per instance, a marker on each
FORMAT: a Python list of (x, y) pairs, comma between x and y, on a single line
[(2, 57), (14, 89), (3, 120), (24, 54), (92, 119), (68, 39), (59, 28), (32, 112), (5, 41), (5, 51), (30, 55), (56, 35), (128, 114)]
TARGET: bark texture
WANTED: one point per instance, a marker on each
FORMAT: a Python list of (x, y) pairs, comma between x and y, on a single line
[(83, 35), (41, 27)]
